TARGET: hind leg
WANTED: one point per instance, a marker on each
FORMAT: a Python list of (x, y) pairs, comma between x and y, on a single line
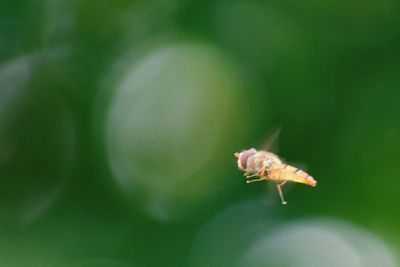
[(279, 187)]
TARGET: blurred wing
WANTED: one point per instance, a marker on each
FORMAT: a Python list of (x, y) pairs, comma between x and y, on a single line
[(271, 143), (300, 165)]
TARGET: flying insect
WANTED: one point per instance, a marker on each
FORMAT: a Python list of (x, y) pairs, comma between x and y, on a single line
[(268, 166)]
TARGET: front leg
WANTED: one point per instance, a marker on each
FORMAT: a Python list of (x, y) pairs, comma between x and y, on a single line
[(260, 173), (249, 174), (256, 180)]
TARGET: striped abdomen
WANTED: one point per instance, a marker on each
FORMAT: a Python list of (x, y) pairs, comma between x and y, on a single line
[(286, 172)]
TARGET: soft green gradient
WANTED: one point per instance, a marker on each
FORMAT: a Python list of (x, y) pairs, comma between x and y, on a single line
[(119, 120)]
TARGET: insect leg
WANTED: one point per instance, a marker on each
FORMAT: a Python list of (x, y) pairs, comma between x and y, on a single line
[(255, 180), (279, 187), (284, 182), (259, 173), (248, 175)]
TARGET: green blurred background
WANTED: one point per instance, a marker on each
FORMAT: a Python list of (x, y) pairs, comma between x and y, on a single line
[(119, 120)]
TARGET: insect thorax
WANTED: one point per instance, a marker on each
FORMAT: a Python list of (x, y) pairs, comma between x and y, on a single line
[(262, 160)]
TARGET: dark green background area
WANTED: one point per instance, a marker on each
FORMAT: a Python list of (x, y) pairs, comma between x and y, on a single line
[(73, 75)]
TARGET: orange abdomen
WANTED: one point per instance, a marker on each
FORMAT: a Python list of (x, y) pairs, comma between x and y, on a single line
[(290, 173)]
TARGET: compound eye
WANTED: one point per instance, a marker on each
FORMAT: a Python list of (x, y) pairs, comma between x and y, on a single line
[(243, 162), (244, 156)]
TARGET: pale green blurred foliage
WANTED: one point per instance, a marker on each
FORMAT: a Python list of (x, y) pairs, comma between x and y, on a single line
[(169, 125), (255, 238), (37, 137)]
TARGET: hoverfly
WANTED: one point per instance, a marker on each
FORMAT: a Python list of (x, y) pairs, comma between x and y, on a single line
[(268, 166)]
